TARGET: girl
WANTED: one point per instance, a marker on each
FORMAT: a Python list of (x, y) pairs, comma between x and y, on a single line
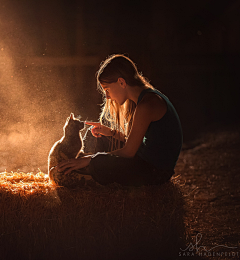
[(141, 124)]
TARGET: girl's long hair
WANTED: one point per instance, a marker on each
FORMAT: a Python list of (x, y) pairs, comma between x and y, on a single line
[(113, 115)]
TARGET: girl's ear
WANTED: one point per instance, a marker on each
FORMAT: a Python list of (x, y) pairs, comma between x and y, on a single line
[(122, 82)]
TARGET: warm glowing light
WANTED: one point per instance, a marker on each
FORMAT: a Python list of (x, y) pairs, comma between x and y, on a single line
[(29, 183)]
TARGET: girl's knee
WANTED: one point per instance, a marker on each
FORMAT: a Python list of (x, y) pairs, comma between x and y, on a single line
[(100, 168)]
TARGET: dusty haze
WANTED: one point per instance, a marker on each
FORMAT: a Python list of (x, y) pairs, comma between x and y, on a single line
[(35, 99)]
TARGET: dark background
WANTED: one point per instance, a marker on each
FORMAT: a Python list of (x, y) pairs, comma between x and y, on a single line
[(51, 50)]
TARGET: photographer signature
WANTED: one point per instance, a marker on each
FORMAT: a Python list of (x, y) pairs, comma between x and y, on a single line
[(192, 246)]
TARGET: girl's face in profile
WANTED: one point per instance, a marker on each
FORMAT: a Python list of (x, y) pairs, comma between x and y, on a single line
[(115, 91)]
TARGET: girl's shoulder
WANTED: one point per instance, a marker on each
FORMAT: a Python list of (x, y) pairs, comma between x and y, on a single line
[(155, 104), (151, 97)]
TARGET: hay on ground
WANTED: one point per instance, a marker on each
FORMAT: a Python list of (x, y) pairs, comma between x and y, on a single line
[(42, 221)]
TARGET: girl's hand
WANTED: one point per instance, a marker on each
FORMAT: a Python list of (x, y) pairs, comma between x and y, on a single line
[(73, 164), (98, 129)]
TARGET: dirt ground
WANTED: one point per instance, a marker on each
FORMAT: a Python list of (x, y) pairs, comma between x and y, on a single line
[(208, 171)]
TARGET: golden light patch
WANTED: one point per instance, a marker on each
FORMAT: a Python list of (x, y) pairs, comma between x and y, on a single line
[(29, 183)]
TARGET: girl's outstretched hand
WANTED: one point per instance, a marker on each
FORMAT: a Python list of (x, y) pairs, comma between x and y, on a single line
[(73, 164), (98, 129)]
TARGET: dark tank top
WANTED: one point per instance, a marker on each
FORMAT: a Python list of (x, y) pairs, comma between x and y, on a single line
[(162, 142)]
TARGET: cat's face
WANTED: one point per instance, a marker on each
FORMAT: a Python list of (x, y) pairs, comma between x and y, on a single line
[(73, 124)]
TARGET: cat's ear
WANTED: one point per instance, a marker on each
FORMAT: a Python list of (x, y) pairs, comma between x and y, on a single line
[(71, 116)]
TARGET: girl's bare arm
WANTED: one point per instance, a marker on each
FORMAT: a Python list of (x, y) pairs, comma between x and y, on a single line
[(151, 108), (98, 130)]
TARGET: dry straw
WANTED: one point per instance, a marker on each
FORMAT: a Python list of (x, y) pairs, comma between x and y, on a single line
[(41, 221)]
